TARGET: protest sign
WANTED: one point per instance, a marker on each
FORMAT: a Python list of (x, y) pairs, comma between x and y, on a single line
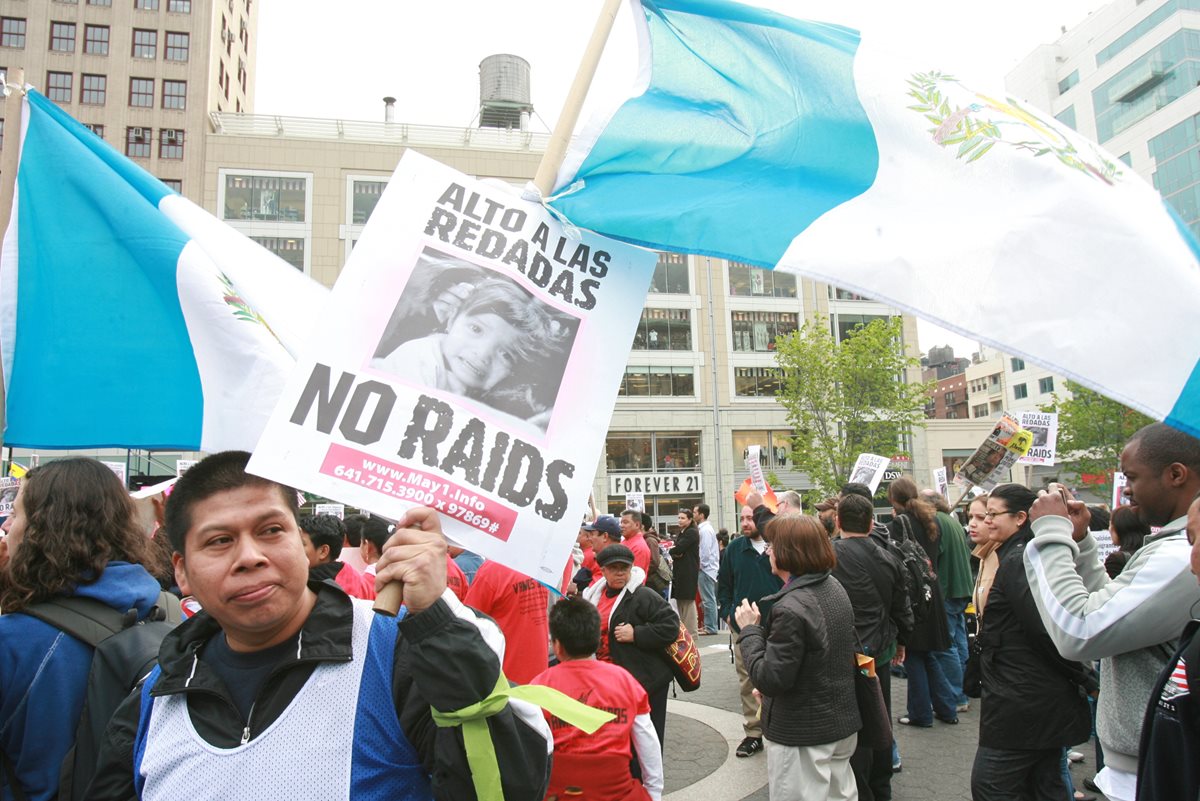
[(635, 501), (1044, 428), (941, 483), (8, 495), (1006, 443), (1119, 482), (754, 468), (869, 470), (338, 510), (742, 494), (1104, 544), (183, 465), (469, 362), (119, 469)]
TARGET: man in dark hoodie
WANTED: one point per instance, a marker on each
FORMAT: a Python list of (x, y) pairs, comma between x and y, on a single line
[(323, 536)]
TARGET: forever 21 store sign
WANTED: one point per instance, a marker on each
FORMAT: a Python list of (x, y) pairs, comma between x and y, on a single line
[(656, 483)]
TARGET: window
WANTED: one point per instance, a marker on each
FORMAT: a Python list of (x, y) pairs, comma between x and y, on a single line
[(265, 197), (94, 90), (1020, 391), (1127, 158), (756, 332), (58, 87), (979, 411), (170, 143), (179, 6), (174, 184), (290, 249), (1164, 74), (775, 448), (177, 46), (1046, 384), (99, 2), (1017, 364), (1067, 117), (1067, 82), (95, 40), (664, 329), (137, 143), (174, 95), (845, 323), (365, 195), (12, 31), (757, 382), (836, 293), (141, 92), (643, 453), (95, 128), (749, 281), (670, 274), (146, 5), (62, 37), (950, 398), (145, 43), (1147, 24), (658, 382)]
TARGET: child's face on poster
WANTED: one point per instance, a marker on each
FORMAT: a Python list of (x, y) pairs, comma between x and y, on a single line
[(478, 350)]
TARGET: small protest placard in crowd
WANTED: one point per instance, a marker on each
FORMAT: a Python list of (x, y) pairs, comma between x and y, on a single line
[(635, 501), (1044, 428), (1006, 443), (941, 483), (469, 361), (338, 510), (869, 470), (754, 468)]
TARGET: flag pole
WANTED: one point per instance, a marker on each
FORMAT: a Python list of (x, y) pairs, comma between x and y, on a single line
[(9, 161), (556, 150)]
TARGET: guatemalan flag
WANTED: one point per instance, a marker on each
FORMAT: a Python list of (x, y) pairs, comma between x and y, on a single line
[(130, 317), (809, 148)]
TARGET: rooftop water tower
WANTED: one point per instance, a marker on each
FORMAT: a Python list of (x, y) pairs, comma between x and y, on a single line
[(504, 92)]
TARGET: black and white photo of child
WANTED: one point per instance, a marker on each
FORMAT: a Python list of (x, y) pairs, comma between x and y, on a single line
[(492, 341)]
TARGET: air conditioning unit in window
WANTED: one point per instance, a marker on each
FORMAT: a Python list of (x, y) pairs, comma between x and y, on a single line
[(170, 136), (229, 36), (139, 133)]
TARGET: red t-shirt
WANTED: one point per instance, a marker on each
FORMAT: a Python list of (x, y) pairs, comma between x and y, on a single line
[(604, 605), (355, 583), (600, 685), (641, 551), (518, 604), (456, 579)]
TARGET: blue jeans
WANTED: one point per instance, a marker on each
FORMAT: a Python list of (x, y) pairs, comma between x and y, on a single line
[(954, 658), (708, 597), (929, 692)]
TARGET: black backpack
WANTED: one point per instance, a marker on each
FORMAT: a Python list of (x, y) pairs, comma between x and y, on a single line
[(919, 576), (660, 575), (125, 651)]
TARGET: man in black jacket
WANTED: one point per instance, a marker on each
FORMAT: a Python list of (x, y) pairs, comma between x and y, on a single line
[(874, 580), (241, 687)]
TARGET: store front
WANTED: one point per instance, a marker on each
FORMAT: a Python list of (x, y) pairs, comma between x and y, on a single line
[(663, 467)]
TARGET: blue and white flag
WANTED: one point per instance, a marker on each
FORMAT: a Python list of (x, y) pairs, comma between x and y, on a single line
[(130, 317), (809, 148)]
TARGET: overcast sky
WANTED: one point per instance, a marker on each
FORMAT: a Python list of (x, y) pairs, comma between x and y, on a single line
[(314, 63)]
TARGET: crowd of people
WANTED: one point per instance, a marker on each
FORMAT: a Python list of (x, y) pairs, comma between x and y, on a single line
[(1014, 615)]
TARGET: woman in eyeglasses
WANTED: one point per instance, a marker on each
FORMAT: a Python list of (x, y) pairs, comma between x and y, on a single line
[(1034, 701)]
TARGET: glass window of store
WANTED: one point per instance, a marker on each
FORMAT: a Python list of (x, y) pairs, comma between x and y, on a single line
[(775, 447), (670, 275), (664, 329), (746, 280), (265, 197), (756, 331)]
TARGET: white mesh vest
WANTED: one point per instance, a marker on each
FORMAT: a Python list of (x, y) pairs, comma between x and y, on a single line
[(338, 739)]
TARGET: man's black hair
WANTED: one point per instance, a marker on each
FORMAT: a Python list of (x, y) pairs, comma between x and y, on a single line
[(858, 488), (647, 523), (354, 524), (856, 514), (1160, 445), (1101, 518), (221, 472), (325, 530), (575, 623), (703, 509), (375, 531)]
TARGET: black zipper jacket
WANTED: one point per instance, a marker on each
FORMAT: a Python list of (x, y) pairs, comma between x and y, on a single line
[(441, 659)]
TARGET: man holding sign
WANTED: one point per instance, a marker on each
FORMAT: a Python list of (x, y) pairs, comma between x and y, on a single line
[(214, 713)]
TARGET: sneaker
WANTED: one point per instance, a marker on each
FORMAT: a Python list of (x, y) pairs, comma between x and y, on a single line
[(907, 721), (1075, 756), (749, 747), (963, 707), (897, 766)]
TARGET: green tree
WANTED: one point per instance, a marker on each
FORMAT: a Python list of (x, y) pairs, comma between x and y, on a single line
[(1092, 430), (847, 398)]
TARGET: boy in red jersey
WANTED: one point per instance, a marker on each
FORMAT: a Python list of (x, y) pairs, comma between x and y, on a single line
[(599, 763)]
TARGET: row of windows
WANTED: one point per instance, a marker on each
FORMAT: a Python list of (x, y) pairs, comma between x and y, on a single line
[(1139, 30), (674, 382), (139, 142), (680, 450), (177, 44), (60, 87), (1161, 76), (1045, 386)]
